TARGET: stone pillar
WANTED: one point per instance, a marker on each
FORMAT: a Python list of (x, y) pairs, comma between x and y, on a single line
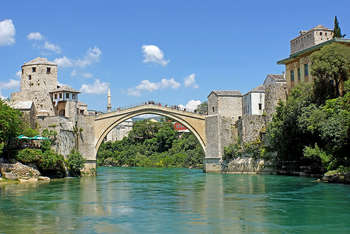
[(219, 133)]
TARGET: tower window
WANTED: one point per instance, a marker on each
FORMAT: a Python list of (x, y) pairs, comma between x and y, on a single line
[(55, 95), (320, 33), (213, 109), (60, 95), (260, 106), (67, 95), (292, 75), (33, 69), (48, 70), (306, 69), (29, 77), (22, 71)]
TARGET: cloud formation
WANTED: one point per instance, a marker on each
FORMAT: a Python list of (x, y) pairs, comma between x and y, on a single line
[(11, 84), (152, 54), (190, 81), (97, 87), (52, 47), (191, 105), (35, 36), (46, 45), (149, 86), (7, 32), (92, 56)]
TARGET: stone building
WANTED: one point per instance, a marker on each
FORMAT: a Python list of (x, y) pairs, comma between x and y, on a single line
[(40, 86), (120, 131), (264, 100), (224, 109), (254, 101), (298, 63), (48, 105)]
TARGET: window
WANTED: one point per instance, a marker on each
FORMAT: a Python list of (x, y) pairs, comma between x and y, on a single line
[(29, 77), (55, 95), (260, 106), (60, 95), (48, 70), (33, 69), (306, 69), (298, 73), (67, 95), (320, 33), (73, 96), (292, 75), (213, 109), (22, 71)]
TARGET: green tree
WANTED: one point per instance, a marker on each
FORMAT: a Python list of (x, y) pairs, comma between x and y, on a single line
[(202, 108), (336, 29), (75, 163), (11, 125), (330, 67)]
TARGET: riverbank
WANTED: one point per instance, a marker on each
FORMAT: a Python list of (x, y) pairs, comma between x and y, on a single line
[(18, 172), (248, 165)]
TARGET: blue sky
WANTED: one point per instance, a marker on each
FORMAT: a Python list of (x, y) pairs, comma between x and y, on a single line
[(167, 51)]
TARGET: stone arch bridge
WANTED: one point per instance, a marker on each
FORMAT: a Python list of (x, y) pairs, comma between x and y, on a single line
[(97, 127), (104, 123)]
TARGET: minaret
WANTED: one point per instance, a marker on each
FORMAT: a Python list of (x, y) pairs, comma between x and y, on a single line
[(109, 106)]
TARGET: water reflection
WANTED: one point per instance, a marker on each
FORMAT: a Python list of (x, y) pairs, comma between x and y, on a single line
[(138, 200)]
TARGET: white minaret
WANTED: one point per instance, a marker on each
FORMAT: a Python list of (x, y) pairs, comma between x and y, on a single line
[(109, 106)]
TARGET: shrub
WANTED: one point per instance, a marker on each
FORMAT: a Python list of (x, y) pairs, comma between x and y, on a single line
[(29, 132), (29, 156), (52, 164), (75, 163)]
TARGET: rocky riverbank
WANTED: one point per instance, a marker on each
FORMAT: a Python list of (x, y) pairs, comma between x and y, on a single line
[(18, 172)]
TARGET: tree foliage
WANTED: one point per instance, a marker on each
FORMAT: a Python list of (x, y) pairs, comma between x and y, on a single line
[(330, 68), (11, 125), (202, 108), (336, 30), (75, 163)]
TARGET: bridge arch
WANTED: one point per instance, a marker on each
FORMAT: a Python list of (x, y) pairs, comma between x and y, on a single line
[(104, 123)]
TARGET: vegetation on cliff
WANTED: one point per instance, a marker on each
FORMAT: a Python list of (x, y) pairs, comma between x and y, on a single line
[(152, 144), (312, 128)]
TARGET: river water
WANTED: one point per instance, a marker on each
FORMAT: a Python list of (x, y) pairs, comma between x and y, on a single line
[(140, 200)]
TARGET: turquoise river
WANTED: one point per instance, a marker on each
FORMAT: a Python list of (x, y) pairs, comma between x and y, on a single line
[(140, 200)]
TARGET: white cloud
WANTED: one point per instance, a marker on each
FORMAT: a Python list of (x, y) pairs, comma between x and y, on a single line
[(52, 47), (152, 54), (191, 105), (7, 32), (35, 36), (74, 73), (64, 62), (149, 86), (2, 97), (11, 84), (97, 87), (190, 81), (18, 74), (92, 56)]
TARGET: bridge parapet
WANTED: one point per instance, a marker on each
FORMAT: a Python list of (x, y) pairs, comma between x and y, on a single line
[(160, 107)]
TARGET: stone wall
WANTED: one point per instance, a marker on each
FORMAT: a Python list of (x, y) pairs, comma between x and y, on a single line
[(65, 141), (249, 127), (274, 92), (248, 165)]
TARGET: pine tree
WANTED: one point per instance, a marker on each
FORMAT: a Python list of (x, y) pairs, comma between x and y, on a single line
[(337, 30)]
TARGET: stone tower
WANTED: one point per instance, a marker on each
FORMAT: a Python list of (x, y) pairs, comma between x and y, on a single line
[(224, 109), (109, 105), (39, 74), (38, 79)]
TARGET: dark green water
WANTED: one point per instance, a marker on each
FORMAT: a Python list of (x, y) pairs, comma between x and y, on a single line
[(138, 200)]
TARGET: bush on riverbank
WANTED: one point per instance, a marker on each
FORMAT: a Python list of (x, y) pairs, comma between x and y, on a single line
[(48, 162), (152, 144), (75, 163)]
